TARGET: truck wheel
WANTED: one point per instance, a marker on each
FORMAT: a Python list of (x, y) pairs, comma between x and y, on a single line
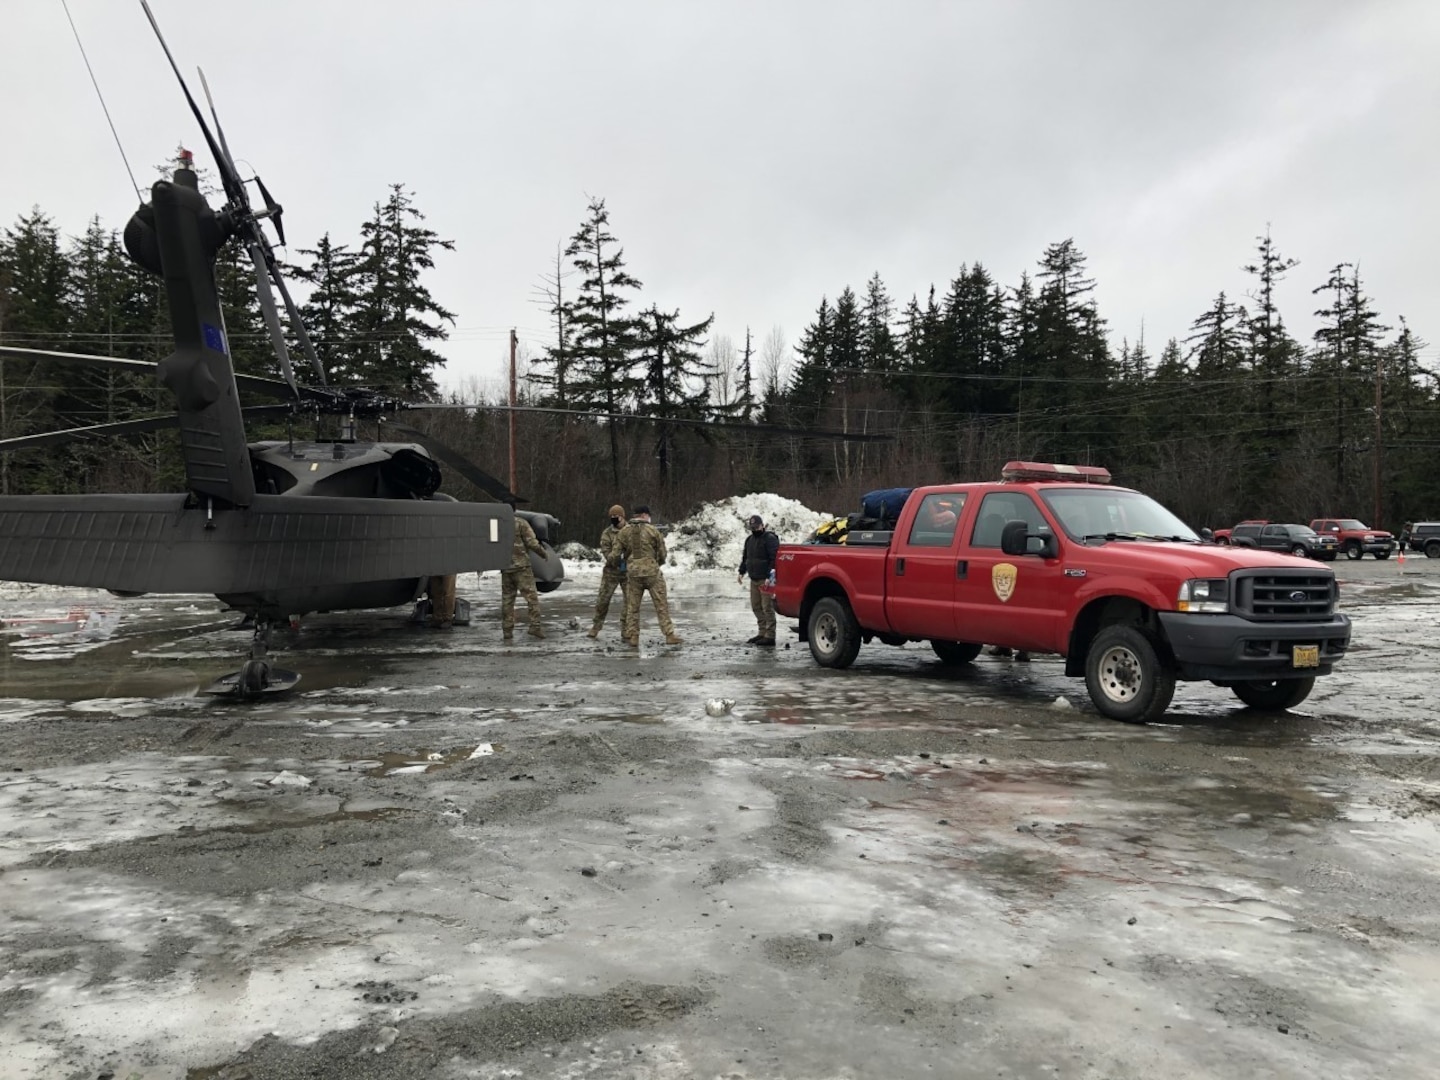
[(1352, 550), (1382, 554), (1273, 694), (834, 634), (1300, 552), (955, 652), (1432, 549), (1125, 677)]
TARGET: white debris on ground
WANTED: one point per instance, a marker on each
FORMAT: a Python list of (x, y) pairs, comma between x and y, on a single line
[(712, 537), (286, 778), (719, 706)]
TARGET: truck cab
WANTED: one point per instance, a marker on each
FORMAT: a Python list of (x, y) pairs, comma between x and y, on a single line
[(1054, 558)]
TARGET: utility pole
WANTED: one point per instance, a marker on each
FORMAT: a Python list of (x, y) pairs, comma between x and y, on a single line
[(1379, 446), (512, 408)]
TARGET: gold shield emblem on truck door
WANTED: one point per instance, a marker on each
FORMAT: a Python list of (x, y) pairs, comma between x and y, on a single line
[(1003, 577)]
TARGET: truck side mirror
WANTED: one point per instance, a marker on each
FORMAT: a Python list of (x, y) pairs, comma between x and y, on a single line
[(1017, 539)]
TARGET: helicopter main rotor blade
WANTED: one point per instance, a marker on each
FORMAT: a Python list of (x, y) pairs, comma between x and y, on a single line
[(234, 189), (257, 383), (464, 466), (760, 429), (120, 427)]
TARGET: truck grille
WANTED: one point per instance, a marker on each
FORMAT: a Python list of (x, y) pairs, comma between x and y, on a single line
[(1283, 595)]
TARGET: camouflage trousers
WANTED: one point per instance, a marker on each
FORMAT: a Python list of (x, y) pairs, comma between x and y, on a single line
[(763, 605), (637, 583), (610, 580), (441, 590), (523, 582)]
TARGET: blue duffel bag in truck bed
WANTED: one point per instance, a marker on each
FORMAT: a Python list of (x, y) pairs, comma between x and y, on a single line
[(884, 505)]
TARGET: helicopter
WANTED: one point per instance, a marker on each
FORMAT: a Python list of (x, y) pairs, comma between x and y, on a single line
[(274, 528)]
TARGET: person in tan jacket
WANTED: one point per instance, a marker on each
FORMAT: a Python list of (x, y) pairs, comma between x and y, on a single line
[(519, 578), (612, 575), (643, 549)]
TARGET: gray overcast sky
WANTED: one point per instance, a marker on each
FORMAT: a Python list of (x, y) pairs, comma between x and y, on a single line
[(755, 156)]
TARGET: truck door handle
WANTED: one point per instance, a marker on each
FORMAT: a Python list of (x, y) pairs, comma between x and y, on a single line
[(962, 567), (899, 567)]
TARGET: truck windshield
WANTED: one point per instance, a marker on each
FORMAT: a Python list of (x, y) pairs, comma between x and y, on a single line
[(1351, 525), (1095, 513)]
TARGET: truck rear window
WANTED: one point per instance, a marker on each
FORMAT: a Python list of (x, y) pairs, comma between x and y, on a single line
[(936, 518)]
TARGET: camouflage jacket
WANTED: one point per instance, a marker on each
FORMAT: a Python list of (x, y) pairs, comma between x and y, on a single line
[(524, 542), (642, 547), (610, 549)]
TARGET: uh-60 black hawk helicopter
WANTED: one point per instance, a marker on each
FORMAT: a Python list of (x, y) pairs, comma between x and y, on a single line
[(273, 529)]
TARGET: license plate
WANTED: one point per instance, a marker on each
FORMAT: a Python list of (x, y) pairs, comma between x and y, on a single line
[(1305, 655)]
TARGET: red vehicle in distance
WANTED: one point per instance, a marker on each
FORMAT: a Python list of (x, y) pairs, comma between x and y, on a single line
[(1355, 537), (1222, 536)]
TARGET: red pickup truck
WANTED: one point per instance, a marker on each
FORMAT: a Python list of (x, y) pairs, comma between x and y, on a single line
[(1356, 539), (1053, 558)]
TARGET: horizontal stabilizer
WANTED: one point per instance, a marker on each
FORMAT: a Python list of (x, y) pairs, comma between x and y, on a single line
[(156, 543)]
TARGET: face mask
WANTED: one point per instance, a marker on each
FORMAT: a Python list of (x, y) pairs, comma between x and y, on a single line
[(615, 522)]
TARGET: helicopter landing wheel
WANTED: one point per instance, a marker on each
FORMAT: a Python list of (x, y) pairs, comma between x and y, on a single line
[(256, 679)]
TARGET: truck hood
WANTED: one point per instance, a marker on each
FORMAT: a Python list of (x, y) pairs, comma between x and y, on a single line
[(1147, 557)]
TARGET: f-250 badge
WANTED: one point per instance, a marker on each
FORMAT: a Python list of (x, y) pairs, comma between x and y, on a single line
[(1003, 577)]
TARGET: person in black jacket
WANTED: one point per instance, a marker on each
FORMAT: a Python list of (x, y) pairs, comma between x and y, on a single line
[(758, 561)]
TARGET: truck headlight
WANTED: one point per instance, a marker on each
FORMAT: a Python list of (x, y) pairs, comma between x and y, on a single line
[(1210, 595)]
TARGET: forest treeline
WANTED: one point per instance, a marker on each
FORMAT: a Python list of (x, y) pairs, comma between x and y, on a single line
[(1233, 418)]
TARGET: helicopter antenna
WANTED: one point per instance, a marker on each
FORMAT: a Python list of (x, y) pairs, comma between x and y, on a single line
[(104, 108)]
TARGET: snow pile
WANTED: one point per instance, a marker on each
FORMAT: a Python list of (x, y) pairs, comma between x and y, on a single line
[(713, 537)]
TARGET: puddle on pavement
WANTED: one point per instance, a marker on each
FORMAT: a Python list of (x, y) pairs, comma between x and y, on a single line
[(394, 763)]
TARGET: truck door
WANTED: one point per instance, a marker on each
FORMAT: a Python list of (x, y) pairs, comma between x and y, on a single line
[(1275, 538), (922, 570), (1015, 600)]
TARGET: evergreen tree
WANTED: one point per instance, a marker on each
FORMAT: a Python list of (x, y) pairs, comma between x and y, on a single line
[(676, 378), (810, 386), (877, 342), (604, 368), (33, 282), (394, 311), (330, 311)]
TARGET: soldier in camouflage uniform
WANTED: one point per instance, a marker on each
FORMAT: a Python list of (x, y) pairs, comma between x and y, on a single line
[(643, 549), (612, 577), (518, 577)]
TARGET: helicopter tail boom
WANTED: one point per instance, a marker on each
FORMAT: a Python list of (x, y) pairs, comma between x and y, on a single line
[(163, 543)]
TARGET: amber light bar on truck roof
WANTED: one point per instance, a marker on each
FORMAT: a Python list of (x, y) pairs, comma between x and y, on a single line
[(1046, 470)]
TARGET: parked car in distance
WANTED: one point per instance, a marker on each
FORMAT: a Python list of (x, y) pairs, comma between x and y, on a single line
[(1299, 540), (1422, 536), (1356, 538), (1222, 536)]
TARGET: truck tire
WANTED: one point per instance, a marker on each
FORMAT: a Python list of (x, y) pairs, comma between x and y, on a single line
[(1125, 676), (1382, 554), (1300, 551), (1432, 549), (1274, 695), (1353, 550), (955, 653), (833, 632)]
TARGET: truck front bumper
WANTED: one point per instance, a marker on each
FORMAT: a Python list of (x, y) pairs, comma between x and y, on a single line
[(1227, 647)]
